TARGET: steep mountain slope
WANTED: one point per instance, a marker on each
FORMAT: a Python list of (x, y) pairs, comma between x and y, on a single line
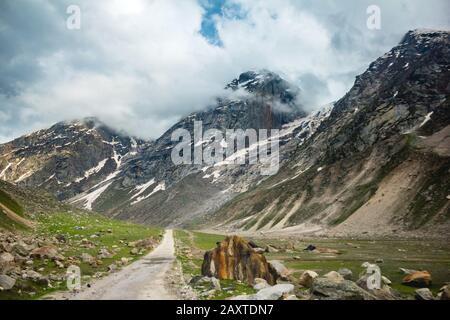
[(19, 207), (67, 158), (379, 164), (152, 189)]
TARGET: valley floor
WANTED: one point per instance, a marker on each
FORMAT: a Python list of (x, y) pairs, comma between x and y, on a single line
[(389, 254)]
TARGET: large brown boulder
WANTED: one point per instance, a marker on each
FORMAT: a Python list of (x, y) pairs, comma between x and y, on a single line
[(235, 259), (418, 279)]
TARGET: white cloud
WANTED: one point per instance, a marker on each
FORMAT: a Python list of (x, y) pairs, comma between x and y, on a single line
[(143, 65)]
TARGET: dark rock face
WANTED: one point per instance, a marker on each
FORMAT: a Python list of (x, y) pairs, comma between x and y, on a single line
[(235, 259), (66, 159)]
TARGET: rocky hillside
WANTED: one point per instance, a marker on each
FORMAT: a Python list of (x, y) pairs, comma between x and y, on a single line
[(68, 158), (379, 164), (151, 189)]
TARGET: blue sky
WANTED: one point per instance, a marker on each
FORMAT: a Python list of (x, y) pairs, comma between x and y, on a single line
[(141, 65)]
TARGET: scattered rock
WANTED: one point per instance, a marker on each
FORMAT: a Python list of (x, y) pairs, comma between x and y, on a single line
[(334, 276), (347, 274), (310, 248), (270, 293), (270, 249), (104, 254), (424, 294), (386, 280), (6, 282), (325, 289), (282, 272), (418, 279), (234, 258), (6, 258), (444, 292), (307, 278), (275, 292), (61, 238), (21, 249), (44, 253), (112, 267), (260, 284), (87, 258)]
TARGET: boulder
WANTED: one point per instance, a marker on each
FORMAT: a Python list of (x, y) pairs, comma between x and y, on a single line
[(104, 254), (282, 272), (347, 274), (6, 258), (444, 292), (325, 289), (270, 293), (418, 279), (424, 294), (260, 284), (275, 292), (45, 253), (22, 249), (235, 259), (307, 277), (310, 248), (6, 262), (270, 249), (87, 258), (385, 292), (112, 267), (207, 283), (6, 282), (334, 276)]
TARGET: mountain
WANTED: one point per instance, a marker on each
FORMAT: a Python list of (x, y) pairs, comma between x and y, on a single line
[(375, 162), (379, 164), (68, 158), (152, 189), (90, 165)]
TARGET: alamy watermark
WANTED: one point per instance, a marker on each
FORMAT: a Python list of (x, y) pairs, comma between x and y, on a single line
[(73, 281), (73, 21), (374, 19), (234, 147)]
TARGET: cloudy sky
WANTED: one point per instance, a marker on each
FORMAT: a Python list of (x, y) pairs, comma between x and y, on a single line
[(140, 65)]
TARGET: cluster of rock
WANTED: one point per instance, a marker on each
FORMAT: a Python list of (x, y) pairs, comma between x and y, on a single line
[(237, 259), (18, 256), (43, 260)]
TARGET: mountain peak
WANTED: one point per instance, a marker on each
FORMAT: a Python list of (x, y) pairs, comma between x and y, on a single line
[(266, 83)]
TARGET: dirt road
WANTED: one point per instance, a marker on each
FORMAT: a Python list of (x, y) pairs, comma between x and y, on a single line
[(142, 280)]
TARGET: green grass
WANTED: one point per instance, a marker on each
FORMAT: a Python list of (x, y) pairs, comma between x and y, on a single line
[(205, 241), (112, 235), (414, 254), (10, 203)]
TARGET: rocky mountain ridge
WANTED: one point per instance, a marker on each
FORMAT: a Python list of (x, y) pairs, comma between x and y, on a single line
[(375, 161)]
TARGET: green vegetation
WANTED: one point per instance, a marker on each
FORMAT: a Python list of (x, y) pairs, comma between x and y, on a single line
[(10, 203), (78, 229), (432, 256)]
